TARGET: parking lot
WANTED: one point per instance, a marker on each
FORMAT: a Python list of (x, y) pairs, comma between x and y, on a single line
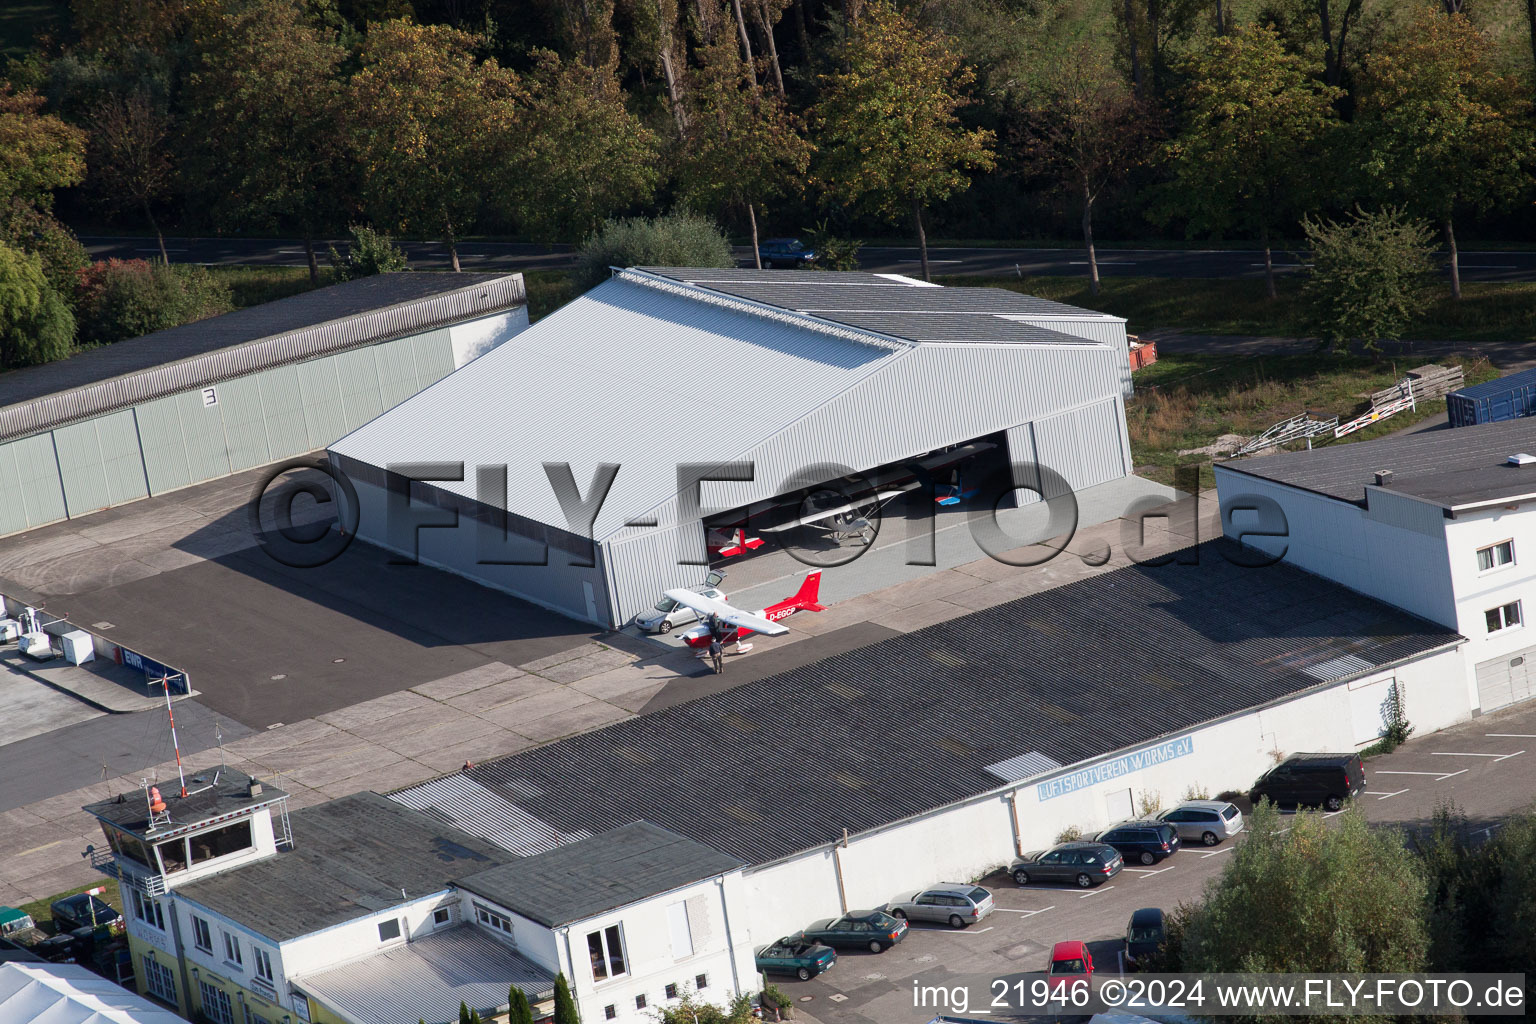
[(1486, 767)]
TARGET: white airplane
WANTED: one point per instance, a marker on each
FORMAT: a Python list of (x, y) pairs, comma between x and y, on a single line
[(743, 623)]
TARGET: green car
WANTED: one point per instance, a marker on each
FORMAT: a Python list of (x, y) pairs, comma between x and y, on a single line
[(797, 955)]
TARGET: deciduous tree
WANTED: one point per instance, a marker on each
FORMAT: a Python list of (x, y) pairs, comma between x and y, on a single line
[(39, 153), (1369, 275), (35, 323), (130, 135), (263, 132), (581, 155), (433, 122), (1440, 124), (744, 145), (1086, 131), (1247, 157), (887, 125)]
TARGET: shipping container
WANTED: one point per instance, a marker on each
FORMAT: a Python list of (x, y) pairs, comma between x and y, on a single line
[(1507, 398)]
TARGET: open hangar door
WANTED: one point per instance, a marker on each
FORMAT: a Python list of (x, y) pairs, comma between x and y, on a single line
[(833, 523)]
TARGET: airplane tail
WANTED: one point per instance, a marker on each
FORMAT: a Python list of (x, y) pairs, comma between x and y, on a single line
[(810, 590)]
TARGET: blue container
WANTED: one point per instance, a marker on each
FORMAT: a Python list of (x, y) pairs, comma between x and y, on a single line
[(1507, 398)]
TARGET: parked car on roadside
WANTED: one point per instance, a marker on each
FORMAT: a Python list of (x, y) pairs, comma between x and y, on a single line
[(1145, 934), (1312, 780), (1070, 963), (956, 904), (76, 911), (1081, 863), (1204, 821), (797, 955), (1146, 841), (784, 252), (873, 930)]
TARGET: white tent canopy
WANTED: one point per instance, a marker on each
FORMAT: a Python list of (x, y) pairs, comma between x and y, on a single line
[(70, 994)]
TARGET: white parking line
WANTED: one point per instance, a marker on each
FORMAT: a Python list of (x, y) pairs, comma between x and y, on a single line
[(1102, 263), (1387, 796), (1457, 753), (1144, 874), (1513, 735), (931, 261), (1489, 266), (1095, 892), (1225, 849), (1026, 913), (1331, 814), (978, 931), (1438, 776)]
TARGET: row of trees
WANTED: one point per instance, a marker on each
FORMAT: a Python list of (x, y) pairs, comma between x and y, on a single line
[(1352, 898), (543, 118)]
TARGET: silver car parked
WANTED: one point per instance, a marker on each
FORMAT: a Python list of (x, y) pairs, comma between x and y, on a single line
[(956, 904), (1208, 821)]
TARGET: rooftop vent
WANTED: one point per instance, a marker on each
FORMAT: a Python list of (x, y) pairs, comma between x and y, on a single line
[(1383, 478), (255, 789), (1521, 459)]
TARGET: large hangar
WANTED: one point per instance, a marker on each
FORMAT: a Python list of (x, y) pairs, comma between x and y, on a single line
[(214, 397), (671, 374)]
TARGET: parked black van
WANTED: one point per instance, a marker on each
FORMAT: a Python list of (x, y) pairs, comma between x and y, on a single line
[(1312, 780)]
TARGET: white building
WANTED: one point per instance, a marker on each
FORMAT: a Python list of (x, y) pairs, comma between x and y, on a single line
[(942, 753), (661, 375), (363, 911), (1442, 524)]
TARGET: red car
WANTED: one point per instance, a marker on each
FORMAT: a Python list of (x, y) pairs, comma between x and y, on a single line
[(1070, 963)]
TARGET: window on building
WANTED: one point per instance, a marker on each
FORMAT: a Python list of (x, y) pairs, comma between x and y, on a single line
[(146, 909), (220, 842), (640, 1001), (263, 964), (606, 948), (1495, 555), (159, 979), (671, 991), (216, 1004), (488, 917), (441, 916), (124, 845), (610, 1011), (232, 950), (389, 930), (701, 981), (1503, 617), (202, 935), (173, 856)]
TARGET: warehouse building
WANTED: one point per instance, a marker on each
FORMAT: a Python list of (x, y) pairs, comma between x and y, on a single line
[(211, 398), (659, 377), (1441, 523), (943, 753)]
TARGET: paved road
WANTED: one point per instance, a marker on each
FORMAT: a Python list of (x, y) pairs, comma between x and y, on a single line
[(1486, 767), (1185, 263)]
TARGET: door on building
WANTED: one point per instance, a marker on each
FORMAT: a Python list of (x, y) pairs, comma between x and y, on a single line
[(1120, 805), (1505, 680)]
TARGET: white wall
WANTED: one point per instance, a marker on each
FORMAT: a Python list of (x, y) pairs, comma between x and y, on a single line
[(474, 338), (723, 956), (359, 937), (968, 840), (1476, 592), (1342, 542)]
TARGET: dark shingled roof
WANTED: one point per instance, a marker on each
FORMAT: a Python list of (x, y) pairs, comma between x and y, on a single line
[(596, 875), (908, 311), (210, 794), (913, 722), (351, 857), (1451, 467)]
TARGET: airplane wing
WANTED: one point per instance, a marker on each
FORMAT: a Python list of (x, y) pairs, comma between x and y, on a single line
[(817, 517), (707, 606)]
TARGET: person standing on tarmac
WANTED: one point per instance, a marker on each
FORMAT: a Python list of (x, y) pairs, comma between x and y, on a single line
[(716, 643)]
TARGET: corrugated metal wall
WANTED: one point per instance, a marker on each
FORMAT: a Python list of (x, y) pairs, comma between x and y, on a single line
[(1109, 331), (933, 396), (180, 440)]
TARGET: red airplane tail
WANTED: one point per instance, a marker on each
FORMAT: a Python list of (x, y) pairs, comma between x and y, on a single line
[(810, 590)]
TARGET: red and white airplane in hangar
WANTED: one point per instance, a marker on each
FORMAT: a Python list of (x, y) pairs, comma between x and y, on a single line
[(735, 624)]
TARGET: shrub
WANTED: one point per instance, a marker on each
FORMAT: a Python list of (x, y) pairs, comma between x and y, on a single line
[(1070, 834), (677, 239), (36, 325), (126, 298), (1149, 803), (62, 255), (370, 252), (1369, 276), (833, 251), (1195, 791)]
